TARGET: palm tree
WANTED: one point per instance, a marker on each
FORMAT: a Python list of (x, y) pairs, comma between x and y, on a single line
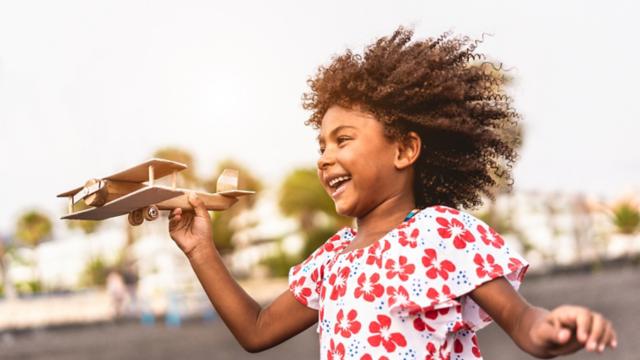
[(625, 215), (33, 227)]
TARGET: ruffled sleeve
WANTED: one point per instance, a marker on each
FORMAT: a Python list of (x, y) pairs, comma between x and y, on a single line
[(305, 279), (455, 253)]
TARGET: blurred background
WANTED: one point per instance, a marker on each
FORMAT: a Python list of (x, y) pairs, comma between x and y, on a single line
[(91, 88)]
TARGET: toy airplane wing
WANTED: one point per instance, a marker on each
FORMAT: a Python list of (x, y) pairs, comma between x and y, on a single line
[(150, 169), (125, 204), (125, 192)]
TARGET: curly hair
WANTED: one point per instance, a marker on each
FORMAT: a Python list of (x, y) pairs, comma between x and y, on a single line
[(452, 97)]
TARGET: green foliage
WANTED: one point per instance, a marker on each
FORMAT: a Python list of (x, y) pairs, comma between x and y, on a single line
[(302, 193), (303, 198), (626, 218), (188, 176), (87, 226), (222, 231), (28, 287), (280, 262), (246, 181), (314, 238), (33, 227), (95, 273)]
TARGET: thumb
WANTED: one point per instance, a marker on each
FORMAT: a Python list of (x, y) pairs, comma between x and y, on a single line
[(198, 205), (551, 331)]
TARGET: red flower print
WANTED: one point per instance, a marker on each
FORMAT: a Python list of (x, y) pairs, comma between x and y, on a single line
[(457, 346), (335, 352), (355, 254), (475, 350), (401, 297), (374, 253), (514, 264), (431, 351), (383, 335), (421, 322), (411, 241), (490, 268), (297, 268), (434, 267), (445, 209), (339, 283), (461, 235), (490, 238), (401, 269), (407, 223), (433, 295), (299, 291), (369, 289), (316, 275), (347, 327), (368, 357)]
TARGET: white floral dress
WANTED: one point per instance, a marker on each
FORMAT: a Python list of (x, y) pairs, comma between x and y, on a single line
[(406, 295)]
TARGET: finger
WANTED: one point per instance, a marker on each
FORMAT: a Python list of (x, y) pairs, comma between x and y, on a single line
[(175, 223), (550, 331), (606, 337), (198, 205), (176, 211), (597, 328), (614, 341), (583, 322)]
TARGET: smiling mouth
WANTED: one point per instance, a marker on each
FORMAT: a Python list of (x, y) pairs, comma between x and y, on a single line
[(338, 184)]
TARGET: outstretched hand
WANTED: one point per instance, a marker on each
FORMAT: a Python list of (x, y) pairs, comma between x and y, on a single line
[(191, 230), (567, 329)]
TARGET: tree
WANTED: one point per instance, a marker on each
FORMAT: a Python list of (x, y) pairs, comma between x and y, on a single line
[(33, 227), (8, 290), (188, 176), (87, 226), (625, 215), (221, 221), (303, 197)]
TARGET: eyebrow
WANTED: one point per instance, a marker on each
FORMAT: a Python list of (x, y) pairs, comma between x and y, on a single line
[(319, 138)]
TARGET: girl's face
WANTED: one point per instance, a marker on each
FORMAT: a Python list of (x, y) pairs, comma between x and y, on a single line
[(356, 166)]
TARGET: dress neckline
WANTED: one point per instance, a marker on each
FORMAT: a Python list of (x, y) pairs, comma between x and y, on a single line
[(400, 226)]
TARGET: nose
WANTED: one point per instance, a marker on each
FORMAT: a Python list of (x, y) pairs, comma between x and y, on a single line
[(325, 159)]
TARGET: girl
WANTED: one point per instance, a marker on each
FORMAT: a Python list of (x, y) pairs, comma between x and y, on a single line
[(408, 134)]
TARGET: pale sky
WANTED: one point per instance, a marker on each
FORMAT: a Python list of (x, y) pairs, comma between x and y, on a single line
[(88, 88)]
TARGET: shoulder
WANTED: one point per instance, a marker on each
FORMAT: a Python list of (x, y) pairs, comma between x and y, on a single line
[(458, 228)]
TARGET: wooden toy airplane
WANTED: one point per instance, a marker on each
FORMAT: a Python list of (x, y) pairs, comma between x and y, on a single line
[(126, 192)]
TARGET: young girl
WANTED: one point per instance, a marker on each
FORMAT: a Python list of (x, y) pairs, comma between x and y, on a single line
[(409, 133)]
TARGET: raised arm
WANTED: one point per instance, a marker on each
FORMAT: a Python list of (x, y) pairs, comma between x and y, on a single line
[(539, 332), (256, 329)]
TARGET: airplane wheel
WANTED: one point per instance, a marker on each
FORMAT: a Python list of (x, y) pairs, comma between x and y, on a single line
[(136, 217), (151, 213)]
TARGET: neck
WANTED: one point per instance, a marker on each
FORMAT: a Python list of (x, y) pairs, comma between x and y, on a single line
[(386, 215)]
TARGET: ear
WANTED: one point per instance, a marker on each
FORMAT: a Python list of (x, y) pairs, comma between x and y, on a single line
[(407, 151)]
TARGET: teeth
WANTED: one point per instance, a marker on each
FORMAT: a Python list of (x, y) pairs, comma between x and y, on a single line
[(333, 182)]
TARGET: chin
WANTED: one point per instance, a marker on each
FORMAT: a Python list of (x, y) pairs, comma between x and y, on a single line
[(346, 209)]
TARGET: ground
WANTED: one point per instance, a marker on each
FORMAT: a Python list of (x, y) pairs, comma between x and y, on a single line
[(615, 292)]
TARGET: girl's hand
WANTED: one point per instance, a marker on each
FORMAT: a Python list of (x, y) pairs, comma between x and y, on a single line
[(191, 230), (567, 329)]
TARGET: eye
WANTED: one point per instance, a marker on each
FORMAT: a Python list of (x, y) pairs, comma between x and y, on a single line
[(342, 139), (321, 150)]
